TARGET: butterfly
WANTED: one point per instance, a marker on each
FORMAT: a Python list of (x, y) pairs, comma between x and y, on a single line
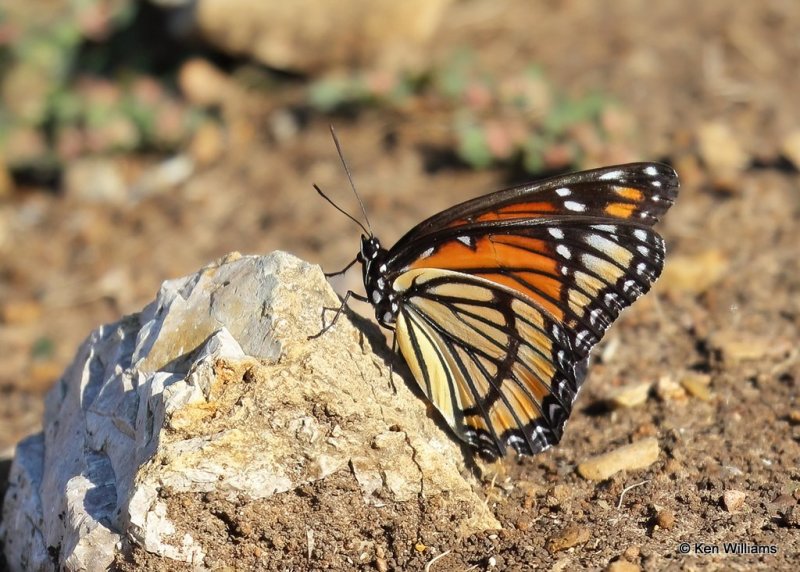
[(497, 302)]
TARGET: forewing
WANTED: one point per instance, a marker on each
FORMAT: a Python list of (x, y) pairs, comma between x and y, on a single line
[(580, 247), (499, 369), (636, 192)]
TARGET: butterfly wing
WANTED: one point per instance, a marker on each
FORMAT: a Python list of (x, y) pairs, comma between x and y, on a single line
[(497, 367), (540, 270), (640, 192), (580, 246)]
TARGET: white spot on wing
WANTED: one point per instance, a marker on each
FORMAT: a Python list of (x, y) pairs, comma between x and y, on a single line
[(556, 233), (641, 234), (581, 337), (651, 170), (465, 240), (643, 250), (574, 206), (563, 192), (605, 227), (376, 296), (427, 253), (610, 175), (563, 251), (630, 286)]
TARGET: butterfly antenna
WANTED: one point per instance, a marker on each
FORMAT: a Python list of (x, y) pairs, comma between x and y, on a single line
[(338, 208), (350, 178)]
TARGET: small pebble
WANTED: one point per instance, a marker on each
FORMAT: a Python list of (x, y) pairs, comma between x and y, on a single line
[(622, 566), (668, 389), (733, 500), (694, 273), (638, 455), (569, 537), (697, 385), (665, 519), (720, 149), (736, 346), (631, 553), (630, 395)]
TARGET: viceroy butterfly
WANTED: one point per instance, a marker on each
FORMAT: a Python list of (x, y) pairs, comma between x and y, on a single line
[(496, 302)]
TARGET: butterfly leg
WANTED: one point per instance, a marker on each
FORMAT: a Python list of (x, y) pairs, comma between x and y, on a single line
[(391, 363), (347, 296), (342, 271)]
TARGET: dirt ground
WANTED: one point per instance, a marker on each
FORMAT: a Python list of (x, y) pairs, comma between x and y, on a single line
[(727, 310)]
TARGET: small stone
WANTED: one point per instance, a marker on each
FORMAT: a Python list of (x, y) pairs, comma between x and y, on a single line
[(381, 564), (647, 429), (569, 537), (794, 417), (631, 553), (622, 566), (694, 273), (202, 83), (697, 385), (721, 150), (668, 389), (419, 547), (736, 346), (665, 519), (638, 455), (630, 395), (733, 500), (560, 493)]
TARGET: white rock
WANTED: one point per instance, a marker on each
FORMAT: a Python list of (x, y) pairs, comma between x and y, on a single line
[(171, 400)]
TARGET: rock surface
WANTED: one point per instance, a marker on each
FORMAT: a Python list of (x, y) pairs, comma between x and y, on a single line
[(214, 389)]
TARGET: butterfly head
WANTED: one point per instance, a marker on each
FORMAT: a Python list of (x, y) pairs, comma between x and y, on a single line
[(372, 257), (370, 249)]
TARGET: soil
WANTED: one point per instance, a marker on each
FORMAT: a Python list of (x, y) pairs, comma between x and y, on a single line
[(727, 308)]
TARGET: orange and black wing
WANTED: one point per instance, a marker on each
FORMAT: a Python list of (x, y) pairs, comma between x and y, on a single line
[(581, 246), (497, 367), (540, 270)]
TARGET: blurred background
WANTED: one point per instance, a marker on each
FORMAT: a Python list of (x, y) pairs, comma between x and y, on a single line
[(141, 140)]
